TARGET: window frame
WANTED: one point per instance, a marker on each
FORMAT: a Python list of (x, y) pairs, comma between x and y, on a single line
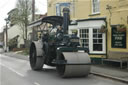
[(60, 6), (90, 45), (93, 7), (85, 37)]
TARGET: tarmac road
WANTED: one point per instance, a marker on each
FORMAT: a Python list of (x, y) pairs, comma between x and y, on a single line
[(17, 71)]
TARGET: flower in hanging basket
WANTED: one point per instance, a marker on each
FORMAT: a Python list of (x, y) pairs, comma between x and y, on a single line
[(121, 28)]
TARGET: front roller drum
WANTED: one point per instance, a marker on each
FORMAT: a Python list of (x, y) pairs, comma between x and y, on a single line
[(77, 64)]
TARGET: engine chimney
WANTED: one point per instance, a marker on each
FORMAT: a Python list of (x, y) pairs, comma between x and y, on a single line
[(66, 19)]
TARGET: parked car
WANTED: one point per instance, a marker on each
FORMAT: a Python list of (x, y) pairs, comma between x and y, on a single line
[(1, 49)]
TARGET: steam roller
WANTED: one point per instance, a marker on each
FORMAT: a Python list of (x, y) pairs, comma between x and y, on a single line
[(58, 48)]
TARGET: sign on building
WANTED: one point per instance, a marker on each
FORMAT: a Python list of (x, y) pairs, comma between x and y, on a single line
[(118, 38)]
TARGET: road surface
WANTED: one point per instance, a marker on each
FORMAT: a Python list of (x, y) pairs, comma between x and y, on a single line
[(17, 71)]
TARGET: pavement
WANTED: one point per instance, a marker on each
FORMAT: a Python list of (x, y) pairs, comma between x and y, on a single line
[(110, 72), (106, 71)]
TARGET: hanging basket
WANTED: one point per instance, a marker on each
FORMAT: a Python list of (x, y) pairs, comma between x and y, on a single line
[(121, 28), (103, 29)]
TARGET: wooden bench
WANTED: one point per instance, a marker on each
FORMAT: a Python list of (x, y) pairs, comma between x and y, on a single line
[(119, 57)]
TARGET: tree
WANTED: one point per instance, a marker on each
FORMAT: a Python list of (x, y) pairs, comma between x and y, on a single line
[(20, 16)]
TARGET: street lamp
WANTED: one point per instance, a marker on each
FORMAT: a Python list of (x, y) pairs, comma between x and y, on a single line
[(6, 31)]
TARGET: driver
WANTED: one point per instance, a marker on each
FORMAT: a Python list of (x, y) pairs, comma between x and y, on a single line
[(59, 33), (59, 29)]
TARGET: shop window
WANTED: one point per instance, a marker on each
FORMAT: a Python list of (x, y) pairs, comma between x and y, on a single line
[(94, 40), (95, 6), (97, 40), (84, 35)]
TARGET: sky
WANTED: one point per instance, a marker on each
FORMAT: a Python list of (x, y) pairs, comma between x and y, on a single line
[(7, 5)]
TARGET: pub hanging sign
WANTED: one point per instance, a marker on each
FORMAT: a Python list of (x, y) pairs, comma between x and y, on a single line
[(118, 38)]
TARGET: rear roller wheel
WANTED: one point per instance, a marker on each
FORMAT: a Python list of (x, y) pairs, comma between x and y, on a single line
[(36, 62)]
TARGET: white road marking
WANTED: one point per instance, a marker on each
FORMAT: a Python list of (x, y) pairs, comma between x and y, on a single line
[(12, 70), (36, 83)]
